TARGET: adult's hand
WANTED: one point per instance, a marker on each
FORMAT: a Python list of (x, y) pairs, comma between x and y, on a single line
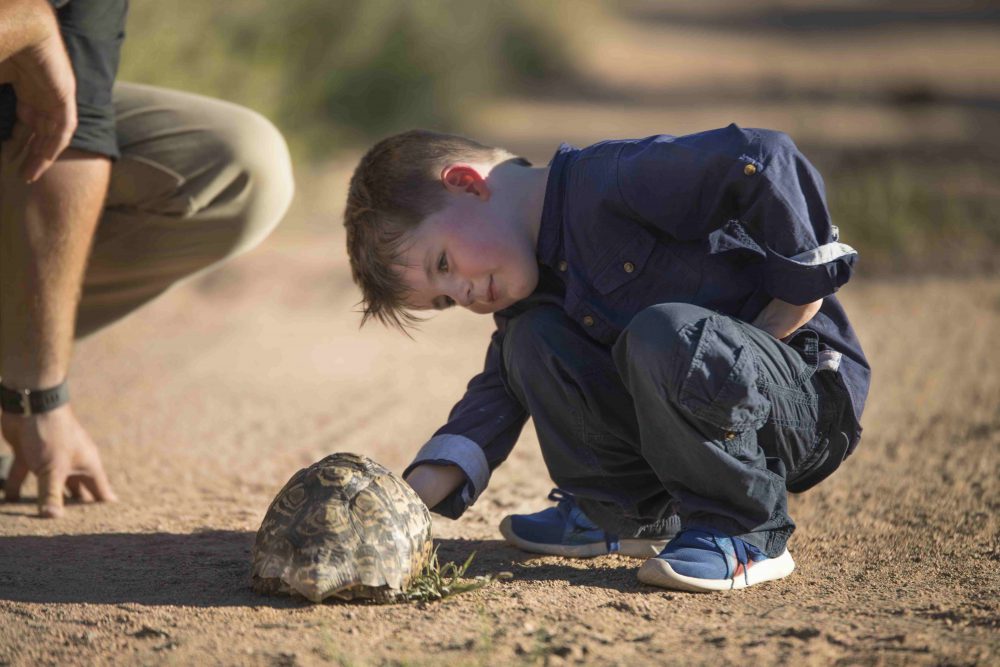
[(43, 81), (56, 448)]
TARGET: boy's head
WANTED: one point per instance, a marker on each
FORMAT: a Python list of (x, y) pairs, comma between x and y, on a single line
[(434, 220)]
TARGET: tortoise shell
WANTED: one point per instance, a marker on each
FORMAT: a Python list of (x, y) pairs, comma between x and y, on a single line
[(345, 527)]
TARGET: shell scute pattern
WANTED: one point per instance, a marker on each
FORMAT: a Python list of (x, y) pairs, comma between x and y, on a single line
[(344, 527)]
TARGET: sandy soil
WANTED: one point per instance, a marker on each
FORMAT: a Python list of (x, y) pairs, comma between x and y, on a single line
[(207, 401), (897, 553)]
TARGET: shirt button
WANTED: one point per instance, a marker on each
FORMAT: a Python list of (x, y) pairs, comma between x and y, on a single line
[(563, 265), (730, 435), (749, 170), (629, 267), (588, 320)]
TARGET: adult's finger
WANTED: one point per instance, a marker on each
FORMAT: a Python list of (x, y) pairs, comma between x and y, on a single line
[(50, 134), (38, 156), (51, 484), (74, 484), (98, 485), (15, 478)]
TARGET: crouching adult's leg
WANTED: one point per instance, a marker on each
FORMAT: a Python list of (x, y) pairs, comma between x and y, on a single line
[(609, 497), (199, 181), (727, 415)]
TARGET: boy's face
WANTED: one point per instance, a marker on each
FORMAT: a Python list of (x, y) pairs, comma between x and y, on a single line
[(469, 254)]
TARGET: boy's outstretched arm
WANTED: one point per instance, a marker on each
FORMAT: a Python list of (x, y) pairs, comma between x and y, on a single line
[(780, 318), (433, 483)]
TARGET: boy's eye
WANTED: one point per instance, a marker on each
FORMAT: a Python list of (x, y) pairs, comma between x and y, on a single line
[(443, 263), (443, 302)]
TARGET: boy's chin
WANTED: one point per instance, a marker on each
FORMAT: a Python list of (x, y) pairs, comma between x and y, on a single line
[(486, 308)]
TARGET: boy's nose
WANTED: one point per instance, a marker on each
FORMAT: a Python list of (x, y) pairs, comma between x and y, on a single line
[(463, 294)]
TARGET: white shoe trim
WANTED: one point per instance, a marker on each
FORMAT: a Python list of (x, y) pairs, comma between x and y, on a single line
[(657, 572)]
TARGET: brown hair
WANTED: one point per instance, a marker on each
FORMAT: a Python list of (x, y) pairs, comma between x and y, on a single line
[(395, 186)]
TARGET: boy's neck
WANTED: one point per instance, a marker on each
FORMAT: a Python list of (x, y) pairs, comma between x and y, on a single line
[(522, 190)]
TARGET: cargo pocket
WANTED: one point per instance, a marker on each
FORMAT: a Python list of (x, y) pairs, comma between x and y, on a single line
[(721, 387)]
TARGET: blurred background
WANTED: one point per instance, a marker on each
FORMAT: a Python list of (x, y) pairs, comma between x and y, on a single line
[(898, 103), (206, 401)]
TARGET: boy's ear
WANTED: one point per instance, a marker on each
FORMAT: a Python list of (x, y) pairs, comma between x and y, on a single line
[(459, 178)]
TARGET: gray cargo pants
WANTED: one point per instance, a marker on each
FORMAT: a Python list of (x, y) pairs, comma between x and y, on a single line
[(690, 412), (199, 180)]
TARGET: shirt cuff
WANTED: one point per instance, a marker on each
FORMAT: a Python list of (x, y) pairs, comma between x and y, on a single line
[(809, 275), (457, 450)]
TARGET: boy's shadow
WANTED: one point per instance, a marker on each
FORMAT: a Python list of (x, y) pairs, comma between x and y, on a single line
[(211, 568)]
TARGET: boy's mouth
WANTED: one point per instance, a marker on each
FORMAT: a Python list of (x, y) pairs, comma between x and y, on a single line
[(490, 293)]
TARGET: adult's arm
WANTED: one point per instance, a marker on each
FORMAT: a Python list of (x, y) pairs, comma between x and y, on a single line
[(48, 214), (46, 230), (34, 61)]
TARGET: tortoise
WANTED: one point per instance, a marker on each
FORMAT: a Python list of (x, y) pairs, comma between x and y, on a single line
[(345, 527)]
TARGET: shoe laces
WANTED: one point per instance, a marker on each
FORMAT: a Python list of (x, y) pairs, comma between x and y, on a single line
[(571, 512), (742, 551), (742, 555)]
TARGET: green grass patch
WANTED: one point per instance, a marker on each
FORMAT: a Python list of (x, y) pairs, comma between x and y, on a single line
[(438, 581)]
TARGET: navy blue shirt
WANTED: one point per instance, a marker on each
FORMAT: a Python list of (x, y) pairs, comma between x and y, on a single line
[(727, 219)]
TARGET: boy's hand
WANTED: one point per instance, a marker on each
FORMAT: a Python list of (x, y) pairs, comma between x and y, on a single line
[(55, 447), (433, 483), (781, 319)]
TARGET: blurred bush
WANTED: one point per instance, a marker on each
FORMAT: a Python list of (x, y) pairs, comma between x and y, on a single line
[(339, 72), (904, 217)]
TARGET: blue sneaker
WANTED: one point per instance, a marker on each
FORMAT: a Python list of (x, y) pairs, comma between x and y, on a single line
[(564, 530), (702, 560)]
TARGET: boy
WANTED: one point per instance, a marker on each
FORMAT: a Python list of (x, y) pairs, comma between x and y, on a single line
[(664, 313)]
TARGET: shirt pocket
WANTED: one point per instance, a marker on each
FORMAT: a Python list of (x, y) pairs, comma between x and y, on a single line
[(627, 263), (666, 276)]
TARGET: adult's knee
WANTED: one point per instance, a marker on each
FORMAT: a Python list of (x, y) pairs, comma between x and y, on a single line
[(222, 169), (260, 163)]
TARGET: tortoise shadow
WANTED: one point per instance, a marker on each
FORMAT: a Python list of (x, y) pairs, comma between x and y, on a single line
[(211, 568)]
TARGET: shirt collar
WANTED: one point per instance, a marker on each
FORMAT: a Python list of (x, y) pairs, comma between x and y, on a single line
[(550, 232)]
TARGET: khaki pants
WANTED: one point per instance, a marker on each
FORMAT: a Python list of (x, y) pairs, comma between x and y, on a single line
[(199, 180)]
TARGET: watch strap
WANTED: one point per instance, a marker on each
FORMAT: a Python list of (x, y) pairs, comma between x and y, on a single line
[(33, 401)]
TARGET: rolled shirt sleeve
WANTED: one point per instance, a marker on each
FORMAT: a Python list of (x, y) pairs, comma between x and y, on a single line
[(783, 202), (689, 187), (481, 431)]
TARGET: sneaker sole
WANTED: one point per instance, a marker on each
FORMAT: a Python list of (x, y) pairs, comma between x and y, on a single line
[(632, 547), (657, 572)]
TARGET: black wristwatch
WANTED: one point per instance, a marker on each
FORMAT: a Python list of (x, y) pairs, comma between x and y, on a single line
[(29, 402)]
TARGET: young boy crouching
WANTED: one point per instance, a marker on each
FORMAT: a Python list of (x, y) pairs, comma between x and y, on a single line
[(664, 312)]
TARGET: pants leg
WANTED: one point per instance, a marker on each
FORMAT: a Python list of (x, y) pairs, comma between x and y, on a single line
[(586, 423), (727, 415), (199, 180)]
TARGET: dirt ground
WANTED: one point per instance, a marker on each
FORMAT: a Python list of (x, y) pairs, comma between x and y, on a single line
[(206, 402)]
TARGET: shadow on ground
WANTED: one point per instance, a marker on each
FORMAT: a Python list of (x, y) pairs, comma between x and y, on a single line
[(203, 569), (211, 568)]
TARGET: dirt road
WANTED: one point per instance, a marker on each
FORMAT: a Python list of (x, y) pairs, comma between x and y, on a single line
[(897, 553), (207, 401)]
